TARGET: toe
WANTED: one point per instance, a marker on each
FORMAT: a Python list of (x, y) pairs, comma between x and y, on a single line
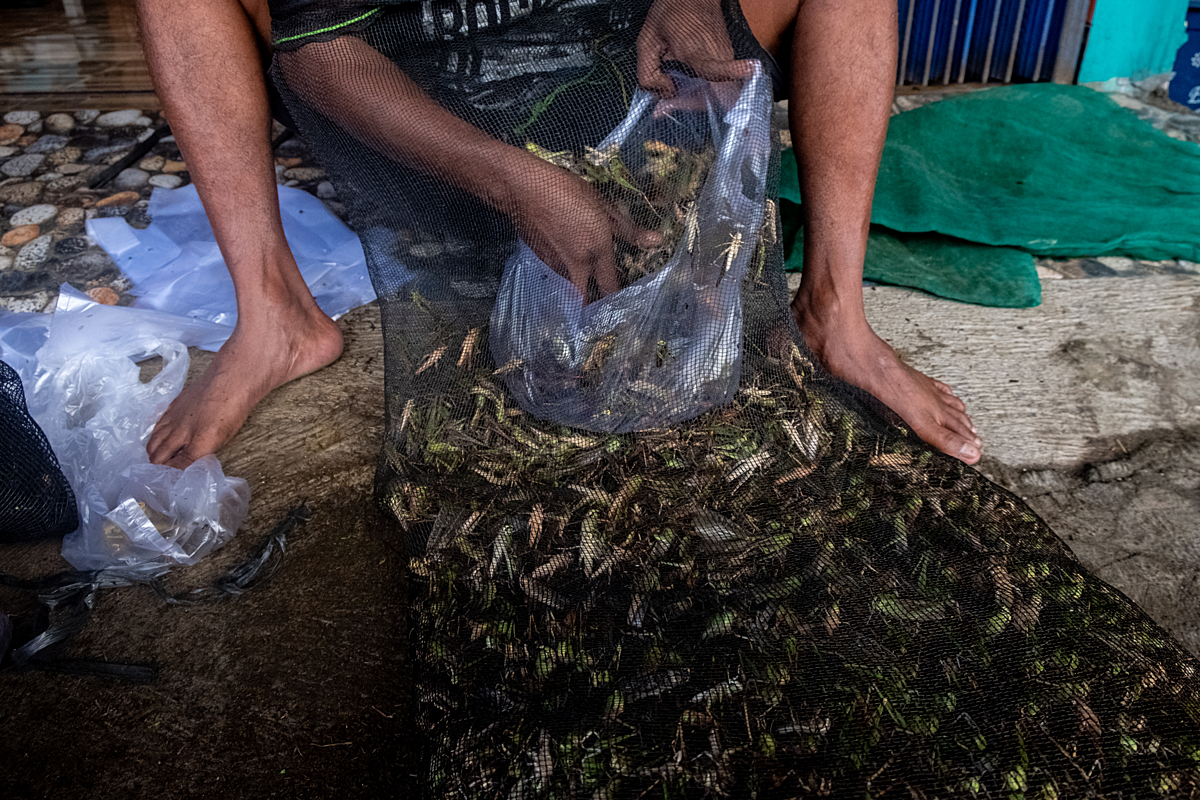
[(961, 424), (967, 452), (953, 401), (953, 443)]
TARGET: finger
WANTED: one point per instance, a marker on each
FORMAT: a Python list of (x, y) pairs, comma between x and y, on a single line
[(721, 69), (628, 231), (159, 446), (650, 75), (605, 273), (600, 265)]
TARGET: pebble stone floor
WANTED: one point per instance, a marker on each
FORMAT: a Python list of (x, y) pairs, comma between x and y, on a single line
[(47, 161)]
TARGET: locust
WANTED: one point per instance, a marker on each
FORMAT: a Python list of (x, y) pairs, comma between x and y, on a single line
[(787, 596)]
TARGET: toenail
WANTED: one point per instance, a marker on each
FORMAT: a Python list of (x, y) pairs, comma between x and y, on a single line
[(970, 451)]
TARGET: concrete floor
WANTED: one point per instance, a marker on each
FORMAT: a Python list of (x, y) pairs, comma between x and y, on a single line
[(1089, 408)]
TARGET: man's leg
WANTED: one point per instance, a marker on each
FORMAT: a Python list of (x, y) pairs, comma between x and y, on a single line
[(206, 62), (843, 65)]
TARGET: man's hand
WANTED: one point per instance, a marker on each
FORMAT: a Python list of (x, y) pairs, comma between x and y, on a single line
[(689, 31), (568, 224)]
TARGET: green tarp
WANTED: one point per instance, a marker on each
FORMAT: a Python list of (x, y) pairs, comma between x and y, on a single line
[(1057, 171)]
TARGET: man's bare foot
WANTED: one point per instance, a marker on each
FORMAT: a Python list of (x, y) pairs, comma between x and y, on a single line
[(273, 344), (853, 352)]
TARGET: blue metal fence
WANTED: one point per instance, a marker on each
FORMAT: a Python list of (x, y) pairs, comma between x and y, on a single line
[(978, 41)]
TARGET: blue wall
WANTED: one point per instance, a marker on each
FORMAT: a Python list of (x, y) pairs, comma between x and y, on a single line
[(1133, 38)]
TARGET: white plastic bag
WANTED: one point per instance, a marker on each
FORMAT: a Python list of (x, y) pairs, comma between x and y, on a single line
[(97, 414), (177, 268), (671, 342)]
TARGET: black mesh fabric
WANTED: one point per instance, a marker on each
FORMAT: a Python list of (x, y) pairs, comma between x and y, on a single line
[(785, 595), (36, 501)]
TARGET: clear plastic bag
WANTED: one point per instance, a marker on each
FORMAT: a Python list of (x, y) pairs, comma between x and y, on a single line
[(177, 268), (668, 346), (98, 414)]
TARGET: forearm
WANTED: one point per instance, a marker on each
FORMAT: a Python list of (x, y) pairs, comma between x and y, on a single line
[(843, 70), (354, 85)]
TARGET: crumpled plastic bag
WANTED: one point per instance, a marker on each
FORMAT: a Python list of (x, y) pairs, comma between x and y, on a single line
[(670, 343), (88, 397), (177, 268)]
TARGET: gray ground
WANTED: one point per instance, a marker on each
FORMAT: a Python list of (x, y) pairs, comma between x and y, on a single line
[(1089, 406)]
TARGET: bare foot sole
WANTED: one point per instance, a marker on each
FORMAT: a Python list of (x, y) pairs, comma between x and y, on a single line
[(858, 356), (260, 356)]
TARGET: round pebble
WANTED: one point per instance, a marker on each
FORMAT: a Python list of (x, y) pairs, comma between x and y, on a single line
[(84, 267), (34, 127), (33, 254), (304, 174), (22, 194), (64, 183), (5, 262), (64, 156), (24, 117), (5, 151), (86, 115), (60, 123), (104, 296), (119, 119), (29, 303), (174, 166), (21, 166), (325, 191), (152, 163), (47, 144), (10, 133), (20, 235), (97, 153), (166, 181), (72, 169), (131, 178), (26, 140), (119, 199), (34, 215), (144, 122), (71, 246), (48, 176), (70, 218)]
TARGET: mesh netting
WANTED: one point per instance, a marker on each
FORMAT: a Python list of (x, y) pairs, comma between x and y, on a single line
[(35, 499), (656, 550)]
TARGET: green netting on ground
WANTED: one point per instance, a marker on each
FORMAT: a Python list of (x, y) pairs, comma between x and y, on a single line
[(1004, 277), (1057, 171), (785, 595)]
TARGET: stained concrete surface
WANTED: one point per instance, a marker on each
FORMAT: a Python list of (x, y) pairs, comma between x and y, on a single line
[(1089, 408), (299, 688)]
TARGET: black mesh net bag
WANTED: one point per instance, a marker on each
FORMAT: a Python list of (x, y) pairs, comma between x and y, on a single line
[(35, 499), (657, 551)]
